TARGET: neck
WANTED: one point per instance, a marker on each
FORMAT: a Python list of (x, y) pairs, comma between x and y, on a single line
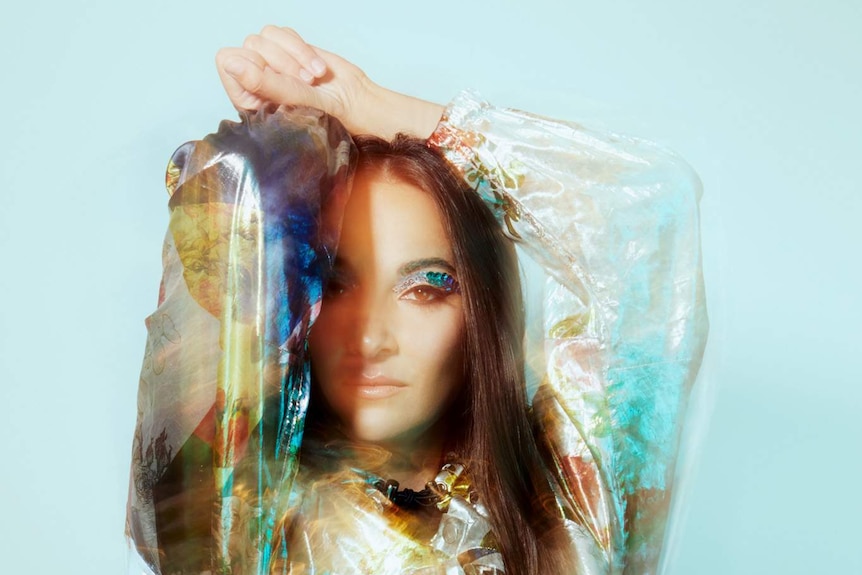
[(411, 461), (412, 466)]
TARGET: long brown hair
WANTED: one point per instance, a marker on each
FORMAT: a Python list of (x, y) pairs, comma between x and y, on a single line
[(505, 467)]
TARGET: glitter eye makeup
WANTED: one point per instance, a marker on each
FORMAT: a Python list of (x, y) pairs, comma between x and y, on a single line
[(442, 281)]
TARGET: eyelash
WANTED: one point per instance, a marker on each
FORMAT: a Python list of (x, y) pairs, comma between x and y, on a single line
[(337, 284), (438, 285), (434, 294)]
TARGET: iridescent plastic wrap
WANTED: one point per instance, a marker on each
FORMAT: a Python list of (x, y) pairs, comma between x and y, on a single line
[(255, 216), (611, 221)]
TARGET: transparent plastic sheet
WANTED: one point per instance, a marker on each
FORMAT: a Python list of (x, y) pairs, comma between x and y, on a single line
[(255, 216), (610, 226)]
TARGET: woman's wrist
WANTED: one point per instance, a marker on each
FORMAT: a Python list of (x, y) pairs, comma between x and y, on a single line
[(385, 113)]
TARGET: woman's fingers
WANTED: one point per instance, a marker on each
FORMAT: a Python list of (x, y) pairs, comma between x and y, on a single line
[(282, 89), (311, 65), (274, 66), (241, 74), (276, 58), (277, 66), (251, 80)]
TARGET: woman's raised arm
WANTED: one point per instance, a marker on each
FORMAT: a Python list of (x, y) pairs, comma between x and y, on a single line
[(277, 66), (613, 221)]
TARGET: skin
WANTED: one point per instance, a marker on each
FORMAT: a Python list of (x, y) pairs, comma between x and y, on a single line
[(278, 66), (387, 356)]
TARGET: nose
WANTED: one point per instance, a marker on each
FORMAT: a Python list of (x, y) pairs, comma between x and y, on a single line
[(375, 337)]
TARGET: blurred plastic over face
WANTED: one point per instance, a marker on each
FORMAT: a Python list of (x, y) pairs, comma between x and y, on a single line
[(386, 347)]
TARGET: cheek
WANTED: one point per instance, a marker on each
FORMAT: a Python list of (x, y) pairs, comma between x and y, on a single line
[(436, 347), (325, 350)]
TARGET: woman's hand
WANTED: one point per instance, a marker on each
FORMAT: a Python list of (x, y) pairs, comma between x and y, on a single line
[(278, 66)]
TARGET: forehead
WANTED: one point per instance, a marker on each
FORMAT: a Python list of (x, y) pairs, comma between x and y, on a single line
[(388, 222)]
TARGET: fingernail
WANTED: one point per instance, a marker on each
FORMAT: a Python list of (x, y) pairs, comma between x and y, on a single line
[(306, 75), (318, 66), (234, 66)]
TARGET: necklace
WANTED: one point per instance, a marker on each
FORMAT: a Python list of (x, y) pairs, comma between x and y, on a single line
[(437, 492), (406, 498)]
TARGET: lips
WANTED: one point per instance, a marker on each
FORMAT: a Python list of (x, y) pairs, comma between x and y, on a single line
[(371, 384)]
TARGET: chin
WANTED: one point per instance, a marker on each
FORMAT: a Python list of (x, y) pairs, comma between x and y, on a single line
[(376, 434), (378, 428)]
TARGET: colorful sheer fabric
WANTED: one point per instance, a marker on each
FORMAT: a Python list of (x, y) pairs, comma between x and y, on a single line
[(613, 222), (616, 343), (255, 216)]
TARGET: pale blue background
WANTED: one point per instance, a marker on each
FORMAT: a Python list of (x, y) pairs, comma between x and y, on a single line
[(761, 97)]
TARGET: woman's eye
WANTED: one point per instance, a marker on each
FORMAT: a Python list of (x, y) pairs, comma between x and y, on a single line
[(336, 287), (423, 294), (426, 287)]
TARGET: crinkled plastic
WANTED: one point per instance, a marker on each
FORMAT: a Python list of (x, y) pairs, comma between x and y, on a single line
[(613, 222), (255, 216), (618, 333)]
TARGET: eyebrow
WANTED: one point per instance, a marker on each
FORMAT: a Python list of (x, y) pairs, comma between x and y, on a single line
[(423, 263)]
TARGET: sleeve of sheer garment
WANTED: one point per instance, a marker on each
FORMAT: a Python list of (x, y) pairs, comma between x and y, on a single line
[(255, 211), (612, 221)]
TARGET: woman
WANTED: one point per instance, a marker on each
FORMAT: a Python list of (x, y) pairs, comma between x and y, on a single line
[(413, 352), (417, 350)]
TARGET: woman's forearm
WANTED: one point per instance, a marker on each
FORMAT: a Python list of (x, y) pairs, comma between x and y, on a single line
[(386, 113)]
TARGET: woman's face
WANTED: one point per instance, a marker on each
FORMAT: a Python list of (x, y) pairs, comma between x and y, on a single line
[(386, 348)]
